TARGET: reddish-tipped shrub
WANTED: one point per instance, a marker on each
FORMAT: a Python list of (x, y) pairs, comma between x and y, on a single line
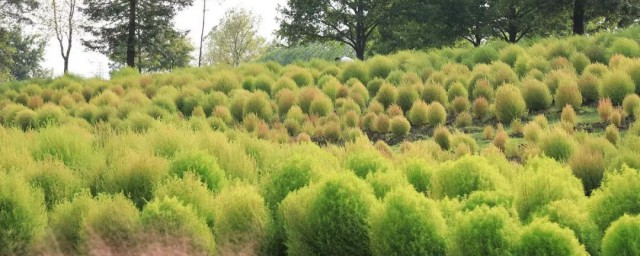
[(605, 108)]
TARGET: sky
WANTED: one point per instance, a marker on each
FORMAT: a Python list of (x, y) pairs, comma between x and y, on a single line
[(89, 64)]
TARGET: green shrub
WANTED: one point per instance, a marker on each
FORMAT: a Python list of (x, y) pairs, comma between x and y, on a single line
[(458, 139), (544, 181), (622, 237), (75, 151), (380, 66), (135, 176), (509, 104), (49, 115), (202, 164), (65, 222), (56, 181), (558, 145), (616, 85), (113, 222), (321, 106), (571, 214), (511, 53), (617, 196), (301, 76), (483, 90), (418, 114), (542, 237), (482, 231), (436, 114), (588, 85), (502, 73), (626, 47), (633, 69), (481, 108), (241, 219), (457, 90), (387, 95), (407, 224), (568, 94), (382, 123), (190, 191), (374, 85), (568, 115), (386, 181), (536, 94), (434, 93), (26, 119), (441, 135), (259, 105), (400, 126), (588, 165), (264, 83), (464, 176), (139, 122), (485, 55), (23, 215), (418, 172), (289, 175), (463, 120), (309, 217), (285, 83), (407, 95), (580, 61), (365, 162), (357, 70), (630, 104), (169, 217), (612, 134)]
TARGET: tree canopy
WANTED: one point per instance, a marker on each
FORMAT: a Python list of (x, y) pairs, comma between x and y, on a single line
[(235, 39)]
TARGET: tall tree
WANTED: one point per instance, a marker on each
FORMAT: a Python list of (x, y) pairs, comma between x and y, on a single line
[(60, 17), (516, 19), (115, 20), (12, 11), (235, 39), (348, 21)]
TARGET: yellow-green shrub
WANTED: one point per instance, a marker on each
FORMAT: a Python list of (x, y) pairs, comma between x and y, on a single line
[(509, 104), (464, 176), (622, 237), (482, 231), (436, 114), (542, 237), (616, 85), (202, 164)]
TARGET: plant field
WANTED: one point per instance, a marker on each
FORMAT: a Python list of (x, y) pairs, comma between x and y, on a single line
[(528, 149)]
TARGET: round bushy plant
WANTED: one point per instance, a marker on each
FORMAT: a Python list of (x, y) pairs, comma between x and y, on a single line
[(568, 94), (26, 119), (418, 113), (321, 106), (365, 162), (463, 119), (135, 176), (568, 115), (418, 172), (289, 175), (113, 221), (309, 217), (460, 104), (457, 90), (482, 231), (588, 85), (464, 176), (434, 93), (557, 144), (617, 196), (616, 85), (382, 123), (23, 215), (485, 55), (65, 222), (436, 114), (626, 47), (542, 237), (536, 94), (572, 215), (483, 89), (387, 95), (241, 219), (580, 61), (407, 95), (57, 182), (441, 135), (258, 104), (202, 164), (509, 104), (407, 224), (169, 217), (631, 104), (544, 181), (622, 237), (612, 134), (301, 76), (380, 66), (374, 85), (357, 70), (400, 126), (190, 191), (481, 108), (384, 182), (589, 166), (502, 73)]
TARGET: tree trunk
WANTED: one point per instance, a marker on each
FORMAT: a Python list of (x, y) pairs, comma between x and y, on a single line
[(204, 13), (131, 40), (66, 65), (578, 17)]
